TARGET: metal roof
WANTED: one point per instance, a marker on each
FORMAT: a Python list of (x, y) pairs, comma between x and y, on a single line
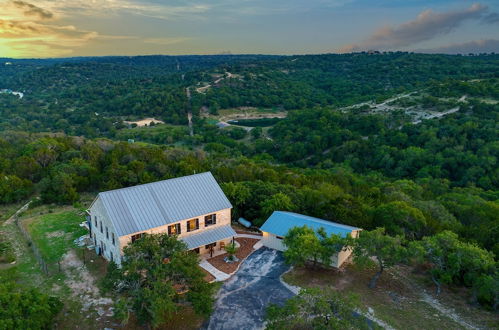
[(280, 222), (208, 236), (151, 205)]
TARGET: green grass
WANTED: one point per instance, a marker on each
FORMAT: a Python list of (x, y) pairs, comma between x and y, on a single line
[(53, 234)]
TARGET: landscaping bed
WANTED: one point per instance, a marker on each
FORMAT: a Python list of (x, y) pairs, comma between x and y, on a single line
[(244, 250)]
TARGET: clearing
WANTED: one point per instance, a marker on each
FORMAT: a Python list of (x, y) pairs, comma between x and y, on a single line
[(144, 122), (403, 299)]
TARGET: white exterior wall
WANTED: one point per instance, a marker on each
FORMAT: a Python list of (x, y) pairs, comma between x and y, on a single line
[(271, 241), (98, 211), (223, 218)]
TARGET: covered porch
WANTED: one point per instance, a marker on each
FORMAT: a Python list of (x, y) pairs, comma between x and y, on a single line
[(210, 242)]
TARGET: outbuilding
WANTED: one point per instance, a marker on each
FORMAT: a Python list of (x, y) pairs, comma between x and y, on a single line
[(280, 222)]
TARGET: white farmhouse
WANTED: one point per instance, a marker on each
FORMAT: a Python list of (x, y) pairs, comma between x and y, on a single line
[(280, 222), (193, 207)]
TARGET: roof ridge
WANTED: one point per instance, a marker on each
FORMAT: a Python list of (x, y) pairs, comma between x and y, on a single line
[(319, 220), (155, 182)]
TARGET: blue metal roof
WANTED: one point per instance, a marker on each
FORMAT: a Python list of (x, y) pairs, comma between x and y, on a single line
[(280, 222), (151, 205), (208, 236)]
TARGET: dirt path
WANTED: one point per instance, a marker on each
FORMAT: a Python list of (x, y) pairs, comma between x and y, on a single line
[(435, 304), (13, 217), (189, 110), (83, 286)]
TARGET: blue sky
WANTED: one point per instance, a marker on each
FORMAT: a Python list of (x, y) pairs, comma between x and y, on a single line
[(46, 28)]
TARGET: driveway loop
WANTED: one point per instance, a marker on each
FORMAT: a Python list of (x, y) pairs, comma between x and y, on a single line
[(243, 299)]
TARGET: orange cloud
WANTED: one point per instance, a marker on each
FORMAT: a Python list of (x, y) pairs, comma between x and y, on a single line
[(28, 30)]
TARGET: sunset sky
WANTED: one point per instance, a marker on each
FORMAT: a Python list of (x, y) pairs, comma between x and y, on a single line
[(59, 28)]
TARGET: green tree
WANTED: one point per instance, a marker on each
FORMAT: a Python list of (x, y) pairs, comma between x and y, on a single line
[(277, 202), (26, 308), (303, 244), (375, 244), (399, 218), (316, 309), (454, 261), (157, 271)]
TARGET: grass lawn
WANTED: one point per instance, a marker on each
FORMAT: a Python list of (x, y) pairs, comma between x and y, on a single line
[(398, 299), (53, 233)]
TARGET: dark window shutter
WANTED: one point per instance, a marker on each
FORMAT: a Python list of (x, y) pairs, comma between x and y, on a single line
[(179, 231), (197, 223), (214, 219), (169, 230)]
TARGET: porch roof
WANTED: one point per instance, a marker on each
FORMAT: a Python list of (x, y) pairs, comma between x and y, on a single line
[(207, 236)]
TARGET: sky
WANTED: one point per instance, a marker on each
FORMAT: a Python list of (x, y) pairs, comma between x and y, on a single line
[(63, 28)]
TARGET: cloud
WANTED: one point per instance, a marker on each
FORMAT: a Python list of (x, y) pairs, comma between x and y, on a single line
[(32, 10), (474, 46), (29, 30), (427, 25)]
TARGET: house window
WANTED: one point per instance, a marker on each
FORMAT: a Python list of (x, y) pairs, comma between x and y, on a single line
[(210, 220), (192, 225), (174, 229), (101, 228), (95, 219), (112, 256), (137, 236), (107, 233), (196, 250), (211, 245), (112, 236)]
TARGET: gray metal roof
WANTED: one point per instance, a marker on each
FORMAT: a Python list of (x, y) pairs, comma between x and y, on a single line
[(280, 222), (208, 236), (151, 205)]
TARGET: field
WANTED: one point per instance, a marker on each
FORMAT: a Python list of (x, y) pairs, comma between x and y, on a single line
[(53, 230), (226, 115), (403, 298), (74, 273), (53, 233)]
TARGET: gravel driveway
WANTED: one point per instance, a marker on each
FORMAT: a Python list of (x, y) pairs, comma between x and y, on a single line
[(242, 300)]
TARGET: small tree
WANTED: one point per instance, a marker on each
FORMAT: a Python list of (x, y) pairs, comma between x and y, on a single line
[(386, 250), (231, 250), (316, 309), (157, 270), (304, 244)]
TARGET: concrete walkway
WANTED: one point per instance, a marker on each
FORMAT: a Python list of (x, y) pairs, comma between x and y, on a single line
[(219, 275), (248, 236)]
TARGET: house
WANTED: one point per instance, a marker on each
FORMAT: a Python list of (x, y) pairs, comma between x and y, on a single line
[(193, 207), (280, 222)]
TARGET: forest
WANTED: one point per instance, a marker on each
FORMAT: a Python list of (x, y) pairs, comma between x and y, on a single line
[(331, 157)]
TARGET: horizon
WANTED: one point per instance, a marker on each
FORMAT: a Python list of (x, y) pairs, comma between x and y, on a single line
[(251, 54), (76, 28)]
